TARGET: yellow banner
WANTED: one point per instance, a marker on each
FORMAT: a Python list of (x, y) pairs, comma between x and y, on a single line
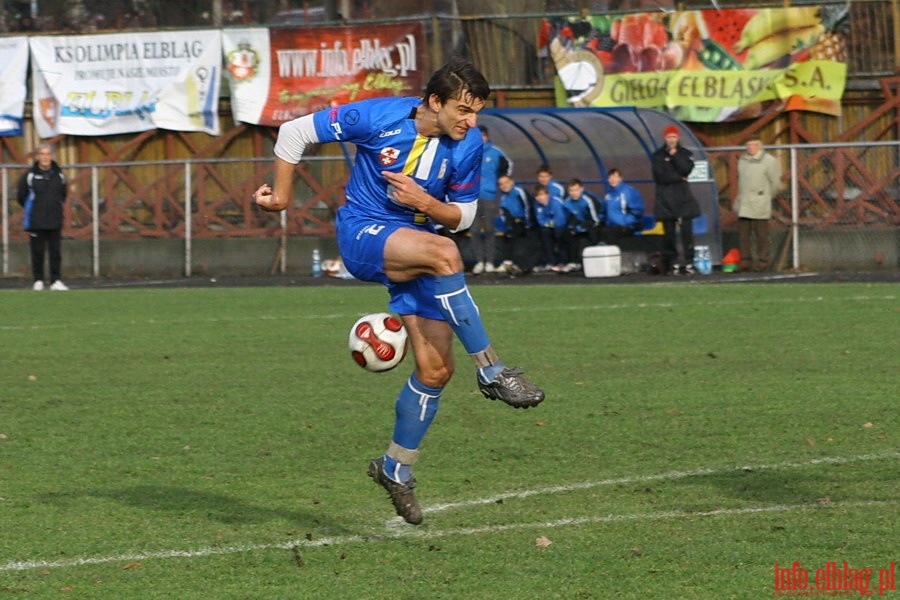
[(721, 88)]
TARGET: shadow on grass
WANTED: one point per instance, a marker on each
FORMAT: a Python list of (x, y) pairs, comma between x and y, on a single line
[(217, 507), (772, 487), (793, 486)]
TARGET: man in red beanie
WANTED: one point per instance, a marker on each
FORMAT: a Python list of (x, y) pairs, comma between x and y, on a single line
[(675, 204)]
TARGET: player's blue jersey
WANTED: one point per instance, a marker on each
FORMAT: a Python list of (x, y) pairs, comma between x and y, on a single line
[(581, 212), (517, 203), (552, 214), (384, 132)]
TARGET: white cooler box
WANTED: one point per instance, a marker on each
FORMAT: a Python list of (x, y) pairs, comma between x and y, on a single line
[(602, 261)]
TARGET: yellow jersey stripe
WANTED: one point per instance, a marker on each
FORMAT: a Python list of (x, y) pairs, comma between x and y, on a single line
[(414, 154)]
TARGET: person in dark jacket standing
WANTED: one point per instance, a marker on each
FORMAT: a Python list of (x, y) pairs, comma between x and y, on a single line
[(42, 193), (675, 205)]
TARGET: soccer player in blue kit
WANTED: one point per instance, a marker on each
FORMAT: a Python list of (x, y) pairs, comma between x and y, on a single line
[(417, 164)]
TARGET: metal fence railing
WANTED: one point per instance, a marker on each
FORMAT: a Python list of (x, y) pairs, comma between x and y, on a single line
[(150, 200), (834, 196)]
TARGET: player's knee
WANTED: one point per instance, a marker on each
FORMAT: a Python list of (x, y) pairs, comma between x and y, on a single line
[(435, 376), (445, 256)]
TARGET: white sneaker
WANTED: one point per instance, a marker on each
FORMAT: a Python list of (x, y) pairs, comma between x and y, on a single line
[(569, 268), (489, 267), (38, 286), (59, 286), (478, 268)]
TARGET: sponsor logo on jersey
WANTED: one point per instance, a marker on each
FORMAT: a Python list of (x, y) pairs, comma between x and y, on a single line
[(385, 134), (389, 156), (352, 117)]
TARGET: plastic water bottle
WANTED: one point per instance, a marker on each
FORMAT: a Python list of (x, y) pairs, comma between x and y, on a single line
[(316, 263), (702, 260)]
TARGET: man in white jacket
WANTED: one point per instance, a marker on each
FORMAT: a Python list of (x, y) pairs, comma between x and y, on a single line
[(759, 179)]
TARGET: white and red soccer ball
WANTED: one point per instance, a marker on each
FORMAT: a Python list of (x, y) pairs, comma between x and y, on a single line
[(378, 342)]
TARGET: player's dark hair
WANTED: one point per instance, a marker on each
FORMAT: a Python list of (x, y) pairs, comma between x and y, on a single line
[(455, 78), (540, 188), (613, 172)]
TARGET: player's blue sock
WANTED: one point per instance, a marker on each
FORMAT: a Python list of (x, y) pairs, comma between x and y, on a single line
[(487, 374), (458, 307), (416, 406)]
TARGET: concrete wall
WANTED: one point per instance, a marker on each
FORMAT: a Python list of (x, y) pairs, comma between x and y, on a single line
[(861, 249), (835, 250), (858, 249), (166, 257)]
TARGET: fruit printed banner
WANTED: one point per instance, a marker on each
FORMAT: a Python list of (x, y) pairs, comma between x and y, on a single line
[(704, 65), (282, 73)]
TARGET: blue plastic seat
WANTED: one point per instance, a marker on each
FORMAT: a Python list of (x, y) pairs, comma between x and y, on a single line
[(700, 225)]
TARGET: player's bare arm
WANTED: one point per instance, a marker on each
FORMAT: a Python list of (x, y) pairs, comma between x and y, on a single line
[(276, 199), (406, 191)]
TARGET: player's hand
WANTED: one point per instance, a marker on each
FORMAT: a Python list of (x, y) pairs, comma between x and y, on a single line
[(405, 190), (265, 198)]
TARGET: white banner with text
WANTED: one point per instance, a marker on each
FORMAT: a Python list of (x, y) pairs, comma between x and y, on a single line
[(122, 83), (13, 69)]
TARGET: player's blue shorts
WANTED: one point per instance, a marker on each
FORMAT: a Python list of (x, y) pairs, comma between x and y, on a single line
[(361, 240)]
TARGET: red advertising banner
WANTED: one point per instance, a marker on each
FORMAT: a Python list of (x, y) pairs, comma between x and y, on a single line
[(312, 69)]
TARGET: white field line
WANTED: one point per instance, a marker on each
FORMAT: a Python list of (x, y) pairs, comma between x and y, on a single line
[(410, 532), (494, 310), (670, 476), (395, 530)]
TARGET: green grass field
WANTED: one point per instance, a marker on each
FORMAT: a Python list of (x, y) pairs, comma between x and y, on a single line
[(212, 444)]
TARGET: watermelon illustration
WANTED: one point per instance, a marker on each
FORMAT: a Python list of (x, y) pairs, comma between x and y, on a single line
[(725, 27)]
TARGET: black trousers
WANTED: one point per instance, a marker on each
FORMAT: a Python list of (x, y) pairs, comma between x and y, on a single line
[(670, 240), (553, 245), (613, 233), (577, 242), (41, 240), (483, 248)]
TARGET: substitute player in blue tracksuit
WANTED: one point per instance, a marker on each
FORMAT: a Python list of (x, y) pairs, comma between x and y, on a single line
[(551, 218), (621, 210), (516, 212), (417, 165), (494, 164), (583, 222), (554, 188)]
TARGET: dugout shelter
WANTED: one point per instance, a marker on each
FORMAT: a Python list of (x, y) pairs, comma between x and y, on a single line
[(584, 143)]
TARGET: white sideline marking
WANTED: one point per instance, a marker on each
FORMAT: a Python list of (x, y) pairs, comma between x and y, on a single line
[(497, 310), (671, 476), (408, 531)]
